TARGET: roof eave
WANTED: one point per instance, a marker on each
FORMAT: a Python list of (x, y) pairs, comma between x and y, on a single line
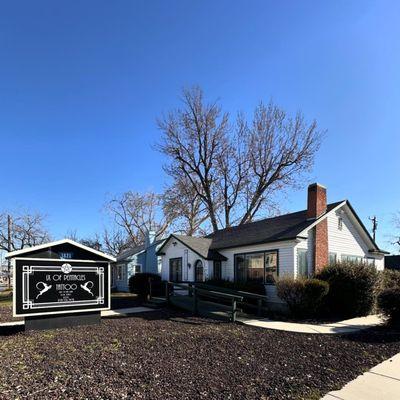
[(17, 253)]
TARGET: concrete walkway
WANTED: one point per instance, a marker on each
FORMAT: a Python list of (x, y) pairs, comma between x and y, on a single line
[(379, 383), (120, 312), (347, 326), (123, 312)]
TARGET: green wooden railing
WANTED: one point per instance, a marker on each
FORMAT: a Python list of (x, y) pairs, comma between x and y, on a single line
[(234, 297)]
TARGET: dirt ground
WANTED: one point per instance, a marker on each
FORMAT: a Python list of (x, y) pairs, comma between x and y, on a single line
[(168, 354)]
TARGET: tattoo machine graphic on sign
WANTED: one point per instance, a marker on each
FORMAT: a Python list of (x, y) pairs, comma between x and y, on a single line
[(45, 288), (88, 286)]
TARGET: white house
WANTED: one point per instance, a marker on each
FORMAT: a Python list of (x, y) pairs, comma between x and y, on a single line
[(293, 244)]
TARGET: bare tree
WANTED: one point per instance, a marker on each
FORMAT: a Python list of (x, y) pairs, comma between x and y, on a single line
[(184, 208), (115, 241), (396, 223), (136, 214), (94, 242), (27, 229), (236, 168)]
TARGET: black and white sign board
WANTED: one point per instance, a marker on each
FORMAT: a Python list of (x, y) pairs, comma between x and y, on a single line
[(56, 281), (43, 287)]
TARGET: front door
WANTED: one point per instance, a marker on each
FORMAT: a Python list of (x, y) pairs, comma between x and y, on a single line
[(175, 269), (199, 271)]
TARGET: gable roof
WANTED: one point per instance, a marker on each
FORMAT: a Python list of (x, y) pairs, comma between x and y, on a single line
[(131, 251), (57, 243), (284, 227), (200, 245), (275, 229)]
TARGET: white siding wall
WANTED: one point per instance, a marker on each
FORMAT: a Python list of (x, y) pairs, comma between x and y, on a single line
[(177, 251), (348, 240)]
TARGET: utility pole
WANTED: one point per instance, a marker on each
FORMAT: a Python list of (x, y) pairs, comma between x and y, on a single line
[(9, 227), (374, 226)]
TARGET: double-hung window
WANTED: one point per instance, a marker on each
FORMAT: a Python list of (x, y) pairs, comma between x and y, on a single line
[(217, 270), (302, 264)]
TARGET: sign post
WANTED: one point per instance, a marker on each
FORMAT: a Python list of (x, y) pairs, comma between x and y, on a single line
[(60, 284)]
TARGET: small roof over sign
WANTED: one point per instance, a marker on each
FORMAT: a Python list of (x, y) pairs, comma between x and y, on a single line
[(33, 249)]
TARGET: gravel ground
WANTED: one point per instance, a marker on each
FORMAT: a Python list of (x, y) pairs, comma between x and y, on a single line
[(171, 355), (6, 312), (123, 300)]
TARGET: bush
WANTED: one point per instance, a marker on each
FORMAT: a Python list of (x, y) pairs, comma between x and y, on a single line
[(388, 302), (250, 286), (139, 284), (351, 289), (303, 296), (388, 279)]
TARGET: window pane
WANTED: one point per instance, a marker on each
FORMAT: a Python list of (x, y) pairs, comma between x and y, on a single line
[(271, 267), (332, 258), (254, 265), (302, 262), (241, 274)]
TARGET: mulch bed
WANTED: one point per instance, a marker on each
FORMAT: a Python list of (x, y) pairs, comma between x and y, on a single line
[(168, 354), (117, 301), (6, 313)]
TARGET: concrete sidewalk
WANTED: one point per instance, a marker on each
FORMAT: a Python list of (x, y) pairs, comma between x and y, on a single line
[(379, 383), (120, 312), (346, 326)]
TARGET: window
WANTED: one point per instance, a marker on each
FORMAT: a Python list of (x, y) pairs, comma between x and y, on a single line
[(352, 259), (120, 272), (258, 267), (175, 269), (302, 264), (332, 258), (340, 223), (370, 261), (271, 267), (138, 269), (217, 270)]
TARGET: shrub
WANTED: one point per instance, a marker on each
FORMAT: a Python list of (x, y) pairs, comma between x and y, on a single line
[(303, 296), (139, 284), (388, 302), (388, 279), (351, 289)]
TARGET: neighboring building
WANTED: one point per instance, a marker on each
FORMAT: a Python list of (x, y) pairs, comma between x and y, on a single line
[(137, 259), (296, 244), (392, 262)]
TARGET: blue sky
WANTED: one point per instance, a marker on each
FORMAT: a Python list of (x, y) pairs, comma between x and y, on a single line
[(81, 84)]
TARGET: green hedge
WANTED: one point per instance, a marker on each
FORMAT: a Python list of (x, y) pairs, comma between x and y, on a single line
[(139, 284), (303, 296), (388, 295), (351, 289), (388, 302)]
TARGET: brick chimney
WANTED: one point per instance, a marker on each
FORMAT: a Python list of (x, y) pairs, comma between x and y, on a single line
[(316, 202), (316, 206)]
